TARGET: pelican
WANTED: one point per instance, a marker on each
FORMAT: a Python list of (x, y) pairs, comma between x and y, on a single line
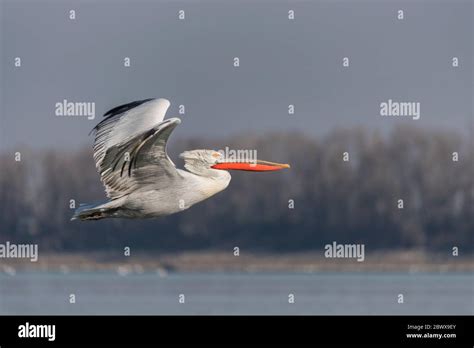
[(140, 179)]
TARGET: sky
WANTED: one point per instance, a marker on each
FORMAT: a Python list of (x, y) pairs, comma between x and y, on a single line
[(191, 62)]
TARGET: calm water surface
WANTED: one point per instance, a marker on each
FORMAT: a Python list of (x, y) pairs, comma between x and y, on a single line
[(235, 293)]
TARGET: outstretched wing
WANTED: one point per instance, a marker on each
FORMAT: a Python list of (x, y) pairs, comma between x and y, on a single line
[(130, 147)]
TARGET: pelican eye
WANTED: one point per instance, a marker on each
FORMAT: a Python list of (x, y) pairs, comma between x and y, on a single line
[(216, 155)]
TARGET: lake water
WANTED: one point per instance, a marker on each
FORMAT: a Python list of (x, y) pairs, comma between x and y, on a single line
[(236, 293)]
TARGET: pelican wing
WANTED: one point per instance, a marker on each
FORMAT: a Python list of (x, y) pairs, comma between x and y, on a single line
[(130, 147)]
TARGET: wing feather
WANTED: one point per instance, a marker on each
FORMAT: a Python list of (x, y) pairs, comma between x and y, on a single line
[(130, 147), (118, 127)]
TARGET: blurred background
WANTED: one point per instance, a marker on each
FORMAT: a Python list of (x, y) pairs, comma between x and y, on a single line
[(282, 62), (348, 202)]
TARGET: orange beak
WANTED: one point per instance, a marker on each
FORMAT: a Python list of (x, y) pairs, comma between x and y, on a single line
[(257, 166)]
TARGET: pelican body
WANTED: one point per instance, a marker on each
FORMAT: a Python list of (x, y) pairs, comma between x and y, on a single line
[(140, 179)]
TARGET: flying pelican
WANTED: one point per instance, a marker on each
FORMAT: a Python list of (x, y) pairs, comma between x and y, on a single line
[(140, 179)]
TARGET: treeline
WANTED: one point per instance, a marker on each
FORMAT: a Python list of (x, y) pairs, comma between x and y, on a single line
[(355, 201)]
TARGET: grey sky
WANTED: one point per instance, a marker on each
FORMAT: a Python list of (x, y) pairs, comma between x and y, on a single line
[(190, 62)]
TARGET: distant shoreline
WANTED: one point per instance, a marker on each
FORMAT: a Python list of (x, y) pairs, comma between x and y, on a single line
[(219, 261)]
